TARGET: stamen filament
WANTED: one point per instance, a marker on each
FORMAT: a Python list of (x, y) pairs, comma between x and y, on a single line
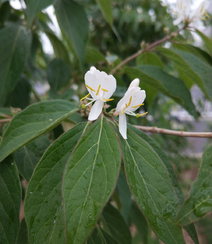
[(90, 88), (98, 90), (137, 105), (107, 100), (104, 90), (139, 115), (122, 111), (84, 97)]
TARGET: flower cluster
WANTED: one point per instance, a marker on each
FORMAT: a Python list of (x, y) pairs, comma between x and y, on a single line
[(187, 16), (102, 86)]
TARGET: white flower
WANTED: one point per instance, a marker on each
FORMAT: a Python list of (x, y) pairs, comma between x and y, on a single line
[(132, 100), (183, 9), (101, 87)]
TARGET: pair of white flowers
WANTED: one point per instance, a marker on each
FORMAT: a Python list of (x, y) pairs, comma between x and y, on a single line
[(186, 15), (102, 86)]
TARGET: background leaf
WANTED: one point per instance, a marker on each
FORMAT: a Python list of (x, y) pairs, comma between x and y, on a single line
[(90, 179), (43, 204), (10, 201), (23, 233), (73, 21), (33, 122), (28, 156), (199, 202), (14, 49), (105, 6), (149, 58), (207, 41)]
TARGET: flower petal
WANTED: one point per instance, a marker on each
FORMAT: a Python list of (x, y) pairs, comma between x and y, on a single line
[(123, 125), (95, 110), (108, 82), (134, 83)]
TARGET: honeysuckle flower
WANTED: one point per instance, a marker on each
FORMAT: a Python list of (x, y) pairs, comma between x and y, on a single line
[(183, 10), (101, 87), (132, 100)]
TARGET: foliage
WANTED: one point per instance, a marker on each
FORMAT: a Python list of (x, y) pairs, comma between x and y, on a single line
[(80, 181)]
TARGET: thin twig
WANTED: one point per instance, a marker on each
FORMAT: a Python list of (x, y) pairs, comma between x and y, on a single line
[(5, 120), (174, 132), (148, 48)]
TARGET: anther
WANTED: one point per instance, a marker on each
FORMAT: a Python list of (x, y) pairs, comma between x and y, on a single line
[(84, 97), (123, 111), (127, 105), (98, 90), (107, 100), (90, 88), (104, 90), (137, 105), (139, 115)]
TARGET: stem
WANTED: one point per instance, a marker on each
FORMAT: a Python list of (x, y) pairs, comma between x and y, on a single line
[(174, 132), (149, 48), (5, 120)]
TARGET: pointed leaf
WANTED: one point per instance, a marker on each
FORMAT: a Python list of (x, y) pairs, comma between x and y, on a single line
[(89, 179), (169, 85), (73, 20), (33, 122), (207, 41), (105, 6), (149, 58), (116, 225), (28, 156), (10, 201), (43, 203), (14, 49), (151, 186), (199, 202)]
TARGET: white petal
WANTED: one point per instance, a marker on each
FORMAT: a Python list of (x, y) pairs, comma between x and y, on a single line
[(92, 69), (109, 83), (95, 110), (123, 125), (91, 81), (178, 20), (134, 83), (137, 98)]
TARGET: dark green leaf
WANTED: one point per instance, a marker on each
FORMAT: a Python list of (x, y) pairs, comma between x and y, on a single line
[(152, 188), (90, 179), (58, 74), (34, 7), (149, 58), (116, 225), (199, 202), (74, 22), (169, 85), (99, 236), (23, 233), (10, 201), (28, 156), (207, 41), (105, 6), (33, 122), (199, 71), (14, 49), (43, 204)]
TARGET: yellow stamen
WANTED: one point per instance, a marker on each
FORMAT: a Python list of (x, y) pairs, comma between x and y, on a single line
[(104, 90), (123, 111), (139, 115), (84, 97), (127, 105), (98, 90), (203, 18), (107, 100), (90, 88), (207, 15), (202, 9), (137, 105)]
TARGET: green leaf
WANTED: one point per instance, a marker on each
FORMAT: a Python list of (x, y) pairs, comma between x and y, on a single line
[(89, 179), (105, 6), (34, 7), (149, 58), (92, 55), (116, 225), (14, 49), (10, 201), (73, 20), (152, 188), (199, 71), (207, 41), (199, 202), (169, 85), (43, 205), (28, 156), (32, 122), (23, 233), (178, 192), (99, 236), (58, 74)]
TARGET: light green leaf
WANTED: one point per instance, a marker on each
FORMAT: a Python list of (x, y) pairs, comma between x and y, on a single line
[(32, 122), (116, 225), (105, 6), (58, 74), (149, 58), (10, 201), (92, 55), (199, 71), (14, 49), (152, 188), (199, 202), (73, 20), (90, 179), (34, 7), (207, 41), (169, 85), (43, 205), (28, 156)]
